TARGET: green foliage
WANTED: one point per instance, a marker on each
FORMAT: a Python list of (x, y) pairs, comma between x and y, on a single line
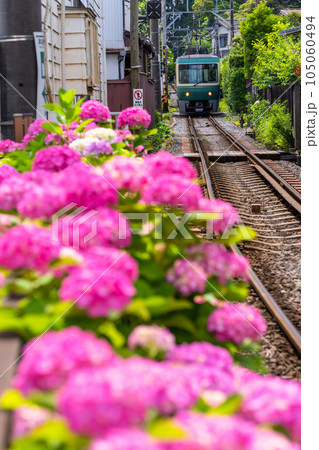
[(245, 8), (276, 61), (233, 80), (170, 65), (67, 112), (255, 28), (163, 130), (272, 124)]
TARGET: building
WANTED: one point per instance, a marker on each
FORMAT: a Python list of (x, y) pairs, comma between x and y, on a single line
[(71, 44), (222, 41), (73, 40)]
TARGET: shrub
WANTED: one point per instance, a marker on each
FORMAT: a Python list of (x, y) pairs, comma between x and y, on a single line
[(272, 124)]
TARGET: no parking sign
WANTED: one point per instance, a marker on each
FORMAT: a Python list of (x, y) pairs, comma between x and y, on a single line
[(138, 97)]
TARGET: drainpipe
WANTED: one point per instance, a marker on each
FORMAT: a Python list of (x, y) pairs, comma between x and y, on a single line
[(103, 63), (46, 51), (63, 42)]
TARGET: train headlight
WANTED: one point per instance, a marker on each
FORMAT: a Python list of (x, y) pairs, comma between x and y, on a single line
[(210, 94), (187, 94)]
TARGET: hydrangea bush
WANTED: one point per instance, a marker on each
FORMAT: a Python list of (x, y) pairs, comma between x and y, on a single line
[(135, 327)]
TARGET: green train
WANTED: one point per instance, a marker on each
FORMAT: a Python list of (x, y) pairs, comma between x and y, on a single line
[(197, 83)]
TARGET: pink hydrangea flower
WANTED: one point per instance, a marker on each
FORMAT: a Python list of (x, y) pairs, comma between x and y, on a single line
[(273, 400), (237, 322), (125, 439), (6, 172), (270, 440), (216, 261), (124, 135), (48, 361), (98, 290), (134, 116), (8, 146), (223, 433), (104, 282), (41, 201), (7, 221), (27, 419), (164, 163), (27, 246), (187, 277), (105, 257), (126, 173), (209, 366), (69, 134), (95, 400), (174, 190), (12, 190), (203, 353), (34, 129), (102, 227), (227, 214), (86, 186), (152, 337), (92, 109), (55, 158)]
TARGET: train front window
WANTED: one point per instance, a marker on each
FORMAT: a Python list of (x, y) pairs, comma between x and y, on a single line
[(198, 73)]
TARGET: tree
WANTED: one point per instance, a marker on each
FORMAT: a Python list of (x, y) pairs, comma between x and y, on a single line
[(255, 28), (233, 78), (245, 8), (277, 60)]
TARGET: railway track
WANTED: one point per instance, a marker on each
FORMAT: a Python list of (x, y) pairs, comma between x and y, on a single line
[(269, 203)]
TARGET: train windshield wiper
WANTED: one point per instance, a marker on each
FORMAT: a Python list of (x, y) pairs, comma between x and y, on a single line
[(196, 83)]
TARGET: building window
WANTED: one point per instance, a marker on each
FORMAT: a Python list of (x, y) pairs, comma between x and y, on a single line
[(223, 39)]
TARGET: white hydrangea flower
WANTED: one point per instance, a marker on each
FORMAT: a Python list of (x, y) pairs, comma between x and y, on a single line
[(80, 144), (103, 134)]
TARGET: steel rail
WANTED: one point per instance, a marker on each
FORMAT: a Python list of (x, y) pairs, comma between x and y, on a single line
[(281, 185), (270, 303)]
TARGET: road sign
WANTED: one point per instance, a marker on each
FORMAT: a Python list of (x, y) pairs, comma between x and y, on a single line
[(138, 97), (154, 10)]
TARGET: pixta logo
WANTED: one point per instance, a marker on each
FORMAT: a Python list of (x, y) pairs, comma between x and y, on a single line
[(74, 225)]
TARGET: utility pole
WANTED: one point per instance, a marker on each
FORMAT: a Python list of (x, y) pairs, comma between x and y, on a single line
[(164, 43), (155, 62), (232, 27), (216, 29), (134, 47)]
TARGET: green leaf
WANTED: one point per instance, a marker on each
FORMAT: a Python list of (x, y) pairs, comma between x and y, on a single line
[(12, 399), (52, 127), (109, 330), (138, 308), (236, 235), (66, 98), (252, 362), (178, 321), (165, 429), (37, 324), (158, 305), (230, 406), (43, 400), (143, 288), (83, 125), (53, 435), (10, 321), (54, 107), (151, 270)]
